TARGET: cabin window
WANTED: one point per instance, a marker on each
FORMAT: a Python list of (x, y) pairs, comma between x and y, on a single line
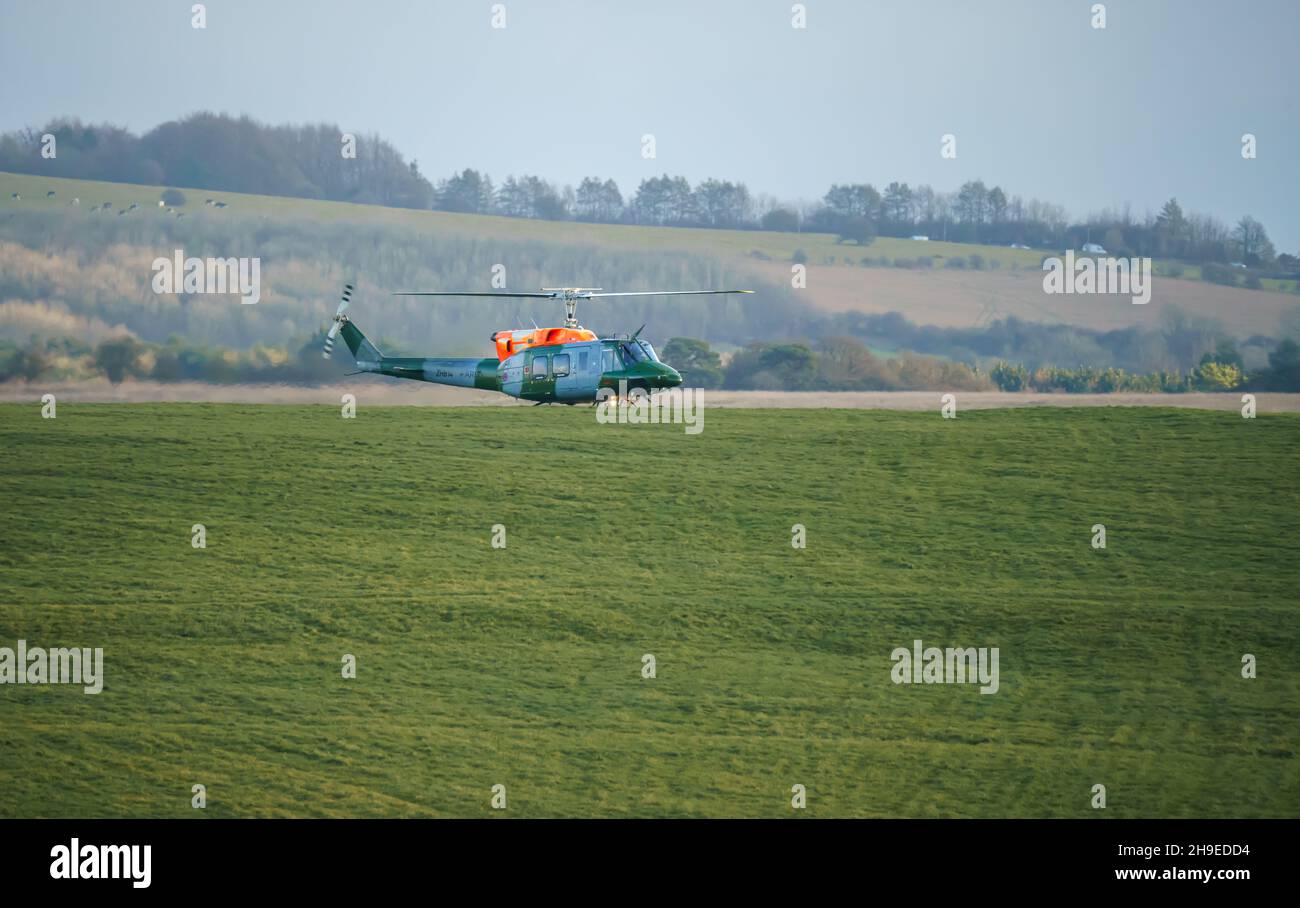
[(561, 365), (539, 367), (607, 360), (582, 361)]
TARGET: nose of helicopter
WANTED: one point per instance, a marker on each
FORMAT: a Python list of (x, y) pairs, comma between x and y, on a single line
[(669, 376)]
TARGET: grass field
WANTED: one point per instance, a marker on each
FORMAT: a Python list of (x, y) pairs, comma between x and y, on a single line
[(738, 245), (522, 666), (724, 243)]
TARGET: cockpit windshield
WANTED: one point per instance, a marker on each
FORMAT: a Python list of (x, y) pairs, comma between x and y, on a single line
[(640, 351)]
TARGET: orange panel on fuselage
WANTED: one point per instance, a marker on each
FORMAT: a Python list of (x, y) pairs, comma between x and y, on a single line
[(509, 343)]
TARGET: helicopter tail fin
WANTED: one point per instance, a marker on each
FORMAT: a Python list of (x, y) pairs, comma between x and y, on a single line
[(359, 344)]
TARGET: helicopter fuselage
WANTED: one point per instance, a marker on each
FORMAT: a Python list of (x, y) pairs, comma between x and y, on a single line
[(570, 372)]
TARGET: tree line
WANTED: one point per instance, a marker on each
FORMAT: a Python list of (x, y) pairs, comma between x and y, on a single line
[(840, 363), (223, 153), (219, 152), (858, 212), (835, 363)]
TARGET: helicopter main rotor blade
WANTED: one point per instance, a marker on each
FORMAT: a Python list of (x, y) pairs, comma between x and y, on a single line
[(557, 294), (663, 293), (544, 296)]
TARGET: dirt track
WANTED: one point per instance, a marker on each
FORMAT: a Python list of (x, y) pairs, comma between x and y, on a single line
[(371, 392)]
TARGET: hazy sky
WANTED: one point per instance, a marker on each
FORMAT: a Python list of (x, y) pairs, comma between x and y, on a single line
[(1152, 106)]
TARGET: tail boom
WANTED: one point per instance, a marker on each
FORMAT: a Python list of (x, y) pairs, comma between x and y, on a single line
[(460, 372)]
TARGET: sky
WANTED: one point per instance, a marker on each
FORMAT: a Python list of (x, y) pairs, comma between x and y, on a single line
[(1040, 102)]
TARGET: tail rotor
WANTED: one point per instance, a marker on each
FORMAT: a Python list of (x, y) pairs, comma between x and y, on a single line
[(339, 319)]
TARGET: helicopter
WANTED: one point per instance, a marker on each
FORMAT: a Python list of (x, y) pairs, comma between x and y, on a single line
[(569, 364)]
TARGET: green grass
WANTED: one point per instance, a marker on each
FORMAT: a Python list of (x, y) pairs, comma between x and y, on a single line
[(522, 666)]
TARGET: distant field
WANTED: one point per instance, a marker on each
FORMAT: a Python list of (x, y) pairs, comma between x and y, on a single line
[(743, 243), (837, 280), (722, 242), (522, 666), (960, 298)]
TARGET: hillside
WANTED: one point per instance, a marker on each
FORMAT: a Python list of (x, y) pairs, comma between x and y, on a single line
[(66, 270), (962, 298)]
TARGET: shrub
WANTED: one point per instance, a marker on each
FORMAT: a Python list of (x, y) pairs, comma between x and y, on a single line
[(772, 366), (1219, 274), (845, 363), (929, 373), (27, 364), (1008, 377), (1078, 381), (1173, 382), (700, 366), (1217, 377), (857, 230), (782, 219), (1111, 380), (118, 358)]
